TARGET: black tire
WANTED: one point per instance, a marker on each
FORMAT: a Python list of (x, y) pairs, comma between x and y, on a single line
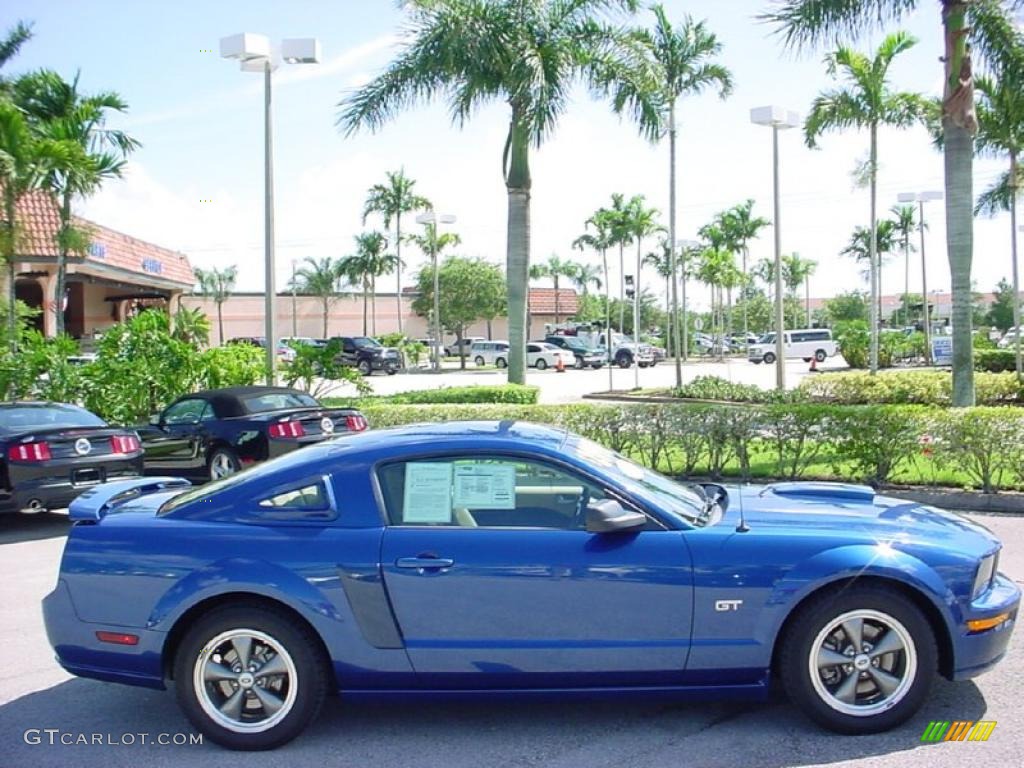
[(807, 359), (222, 462), (769, 357), (914, 666), (597, 366), (820, 355), (392, 371), (480, 360), (624, 361), (756, 362), (501, 362), (303, 692), (364, 367), (541, 364)]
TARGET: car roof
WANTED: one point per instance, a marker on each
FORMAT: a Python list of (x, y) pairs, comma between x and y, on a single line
[(226, 402), (481, 434)]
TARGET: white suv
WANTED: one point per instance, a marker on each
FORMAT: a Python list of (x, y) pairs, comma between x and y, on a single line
[(490, 353), (805, 343)]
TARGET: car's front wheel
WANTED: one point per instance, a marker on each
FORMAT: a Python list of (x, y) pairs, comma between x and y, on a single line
[(859, 661), (769, 357), (501, 362), (249, 678), (365, 368)]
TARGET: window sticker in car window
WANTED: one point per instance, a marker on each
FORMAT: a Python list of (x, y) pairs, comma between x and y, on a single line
[(428, 492), (485, 486)]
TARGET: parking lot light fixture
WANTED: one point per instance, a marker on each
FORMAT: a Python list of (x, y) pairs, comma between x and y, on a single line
[(254, 53), (778, 119)]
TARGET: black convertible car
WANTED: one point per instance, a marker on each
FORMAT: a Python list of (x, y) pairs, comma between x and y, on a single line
[(212, 434), (51, 452)]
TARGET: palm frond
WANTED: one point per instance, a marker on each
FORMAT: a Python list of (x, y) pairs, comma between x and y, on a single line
[(833, 111), (997, 198), (806, 23)]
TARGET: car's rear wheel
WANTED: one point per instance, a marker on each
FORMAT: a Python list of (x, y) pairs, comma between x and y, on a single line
[(820, 355), (541, 364), (249, 678), (479, 360), (859, 661), (365, 368), (223, 462), (501, 362), (624, 360)]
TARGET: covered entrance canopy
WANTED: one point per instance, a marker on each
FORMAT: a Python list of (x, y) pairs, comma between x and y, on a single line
[(115, 277)]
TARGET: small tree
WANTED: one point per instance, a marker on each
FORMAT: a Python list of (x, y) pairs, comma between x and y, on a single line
[(320, 278), (469, 287), (1000, 313), (217, 284)]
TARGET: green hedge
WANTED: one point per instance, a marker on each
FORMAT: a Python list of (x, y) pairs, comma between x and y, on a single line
[(995, 360), (510, 394), (901, 387), (973, 448)]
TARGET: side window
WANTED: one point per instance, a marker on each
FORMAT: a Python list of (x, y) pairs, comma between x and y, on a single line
[(532, 348), (185, 412), (485, 492), (308, 498)]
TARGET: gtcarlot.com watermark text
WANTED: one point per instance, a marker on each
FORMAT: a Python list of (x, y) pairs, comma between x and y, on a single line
[(55, 736)]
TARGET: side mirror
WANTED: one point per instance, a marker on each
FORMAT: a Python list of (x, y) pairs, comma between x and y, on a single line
[(608, 516), (716, 493)]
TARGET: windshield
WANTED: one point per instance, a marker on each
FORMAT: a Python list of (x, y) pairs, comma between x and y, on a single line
[(768, 338), (363, 341), (278, 401), (670, 497), (25, 418)]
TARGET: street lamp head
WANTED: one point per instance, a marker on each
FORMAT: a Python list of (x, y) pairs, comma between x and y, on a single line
[(245, 46), (301, 50), (931, 195), (906, 197), (687, 244), (774, 116), (919, 197), (435, 218)]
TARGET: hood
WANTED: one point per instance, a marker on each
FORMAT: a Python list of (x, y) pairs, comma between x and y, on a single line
[(855, 512)]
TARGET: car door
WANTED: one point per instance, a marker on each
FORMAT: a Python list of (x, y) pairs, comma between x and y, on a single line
[(173, 443), (489, 568)]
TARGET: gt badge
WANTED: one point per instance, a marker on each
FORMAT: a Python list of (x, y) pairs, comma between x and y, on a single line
[(728, 605)]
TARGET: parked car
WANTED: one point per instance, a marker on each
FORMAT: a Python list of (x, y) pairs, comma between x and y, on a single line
[(711, 345), (584, 355), (215, 433), (806, 343), (1009, 339), (490, 353), (309, 341), (285, 353), (499, 558), (367, 355), (455, 349), (541, 355), (51, 452)]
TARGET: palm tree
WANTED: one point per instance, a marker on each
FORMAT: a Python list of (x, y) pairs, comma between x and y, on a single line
[(10, 44), (1001, 134), (586, 275), (741, 226), (320, 278), (432, 245), (217, 284), (25, 161), (602, 238), (904, 223), (982, 26), (717, 270), (796, 272), (868, 102), (678, 62), (860, 247), (643, 223), (391, 200), (59, 111), (525, 54), (555, 269), (661, 260), (717, 239), (621, 231), (364, 267)]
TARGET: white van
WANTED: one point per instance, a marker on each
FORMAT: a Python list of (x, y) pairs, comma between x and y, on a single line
[(490, 353), (805, 343)]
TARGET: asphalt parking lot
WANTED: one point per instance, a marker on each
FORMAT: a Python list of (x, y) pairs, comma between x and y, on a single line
[(36, 694), (569, 386)]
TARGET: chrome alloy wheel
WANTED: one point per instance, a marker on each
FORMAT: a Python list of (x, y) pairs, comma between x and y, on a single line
[(222, 465), (862, 663), (245, 681)]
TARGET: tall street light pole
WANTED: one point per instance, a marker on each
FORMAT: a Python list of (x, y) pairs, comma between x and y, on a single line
[(921, 198), (427, 219), (255, 54), (778, 119)]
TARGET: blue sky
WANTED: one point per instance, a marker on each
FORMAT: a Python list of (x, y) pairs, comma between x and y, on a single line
[(200, 122)]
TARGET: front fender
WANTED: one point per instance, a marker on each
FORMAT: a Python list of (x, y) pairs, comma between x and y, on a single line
[(851, 562)]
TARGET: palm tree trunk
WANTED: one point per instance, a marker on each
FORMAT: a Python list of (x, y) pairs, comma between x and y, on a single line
[(398, 268), (743, 296), (325, 300), (555, 278), (906, 278), (673, 322), (62, 261), (958, 126), (373, 299), (220, 323), (807, 297), (1015, 270), (366, 304), (622, 287), (636, 311), (873, 248), (10, 204), (607, 317), (517, 184)]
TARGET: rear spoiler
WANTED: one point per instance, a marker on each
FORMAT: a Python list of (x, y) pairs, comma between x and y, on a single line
[(95, 503)]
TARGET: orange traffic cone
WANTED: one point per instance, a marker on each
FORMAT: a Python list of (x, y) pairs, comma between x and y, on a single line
[(559, 365), (814, 365)]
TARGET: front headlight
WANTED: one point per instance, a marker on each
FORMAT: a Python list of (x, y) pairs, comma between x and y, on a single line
[(986, 572)]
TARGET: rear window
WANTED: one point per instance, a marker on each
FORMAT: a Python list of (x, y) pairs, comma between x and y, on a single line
[(278, 401), (25, 418)]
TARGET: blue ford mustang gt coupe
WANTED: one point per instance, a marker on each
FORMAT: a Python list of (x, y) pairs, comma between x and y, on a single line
[(497, 559)]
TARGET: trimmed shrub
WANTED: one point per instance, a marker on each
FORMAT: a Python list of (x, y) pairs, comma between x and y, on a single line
[(511, 394), (878, 440), (995, 360), (909, 387), (985, 443)]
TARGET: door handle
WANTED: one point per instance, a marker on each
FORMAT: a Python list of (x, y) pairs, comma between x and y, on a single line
[(424, 563)]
